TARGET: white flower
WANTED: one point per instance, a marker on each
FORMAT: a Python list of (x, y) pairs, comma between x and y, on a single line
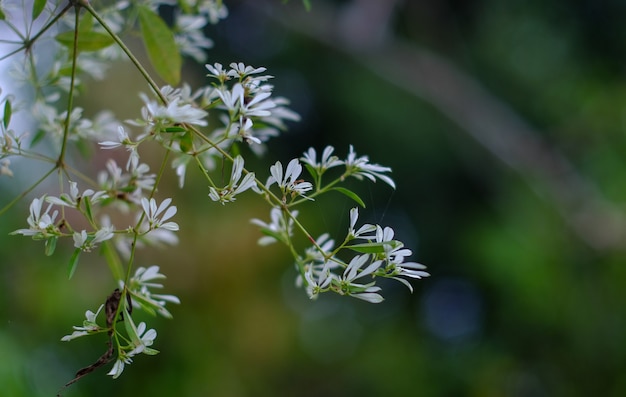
[(258, 106), (228, 193), (360, 167), (89, 325), (152, 214), (288, 182), (367, 292), (41, 224), (124, 140), (214, 10), (190, 38), (217, 70), (82, 240), (394, 254), (73, 199), (366, 228), (143, 340), (118, 367), (139, 286), (320, 282), (159, 116), (280, 227), (242, 70), (327, 161), (233, 98)]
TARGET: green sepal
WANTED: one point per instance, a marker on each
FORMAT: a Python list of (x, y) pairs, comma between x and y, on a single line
[(160, 45), (50, 245), (71, 268), (87, 41), (38, 7), (350, 194), (8, 111)]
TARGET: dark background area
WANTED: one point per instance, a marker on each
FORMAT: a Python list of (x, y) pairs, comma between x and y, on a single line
[(504, 123)]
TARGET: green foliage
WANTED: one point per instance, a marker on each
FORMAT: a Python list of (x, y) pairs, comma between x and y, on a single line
[(159, 42)]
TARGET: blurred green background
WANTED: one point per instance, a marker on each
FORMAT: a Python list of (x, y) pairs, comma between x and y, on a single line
[(504, 123)]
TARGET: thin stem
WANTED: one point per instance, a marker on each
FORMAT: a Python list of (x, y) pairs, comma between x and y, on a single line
[(70, 99), (126, 50), (25, 192)]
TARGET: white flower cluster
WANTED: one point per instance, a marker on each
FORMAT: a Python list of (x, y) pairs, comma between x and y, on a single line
[(176, 119), (381, 256)]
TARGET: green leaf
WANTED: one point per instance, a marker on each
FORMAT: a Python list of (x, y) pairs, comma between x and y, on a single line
[(160, 45), (86, 23), (371, 248), (312, 170), (71, 268), (272, 233), (350, 194), (39, 135), (88, 210), (173, 129), (50, 246), (38, 7), (7, 114), (3, 16), (87, 41), (186, 142)]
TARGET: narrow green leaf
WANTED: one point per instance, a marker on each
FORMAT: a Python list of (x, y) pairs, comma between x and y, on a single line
[(3, 16), (50, 246), (186, 142), (88, 210), (173, 129), (7, 114), (113, 260), (87, 41), (350, 194), (312, 170), (271, 233), (160, 45), (369, 248), (71, 268), (39, 135), (131, 329), (38, 6)]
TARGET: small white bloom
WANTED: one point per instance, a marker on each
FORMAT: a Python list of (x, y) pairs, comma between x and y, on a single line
[(366, 228), (89, 325), (41, 224), (288, 182), (124, 140), (242, 70), (144, 340), (228, 193), (280, 227), (360, 167), (327, 161), (152, 214)]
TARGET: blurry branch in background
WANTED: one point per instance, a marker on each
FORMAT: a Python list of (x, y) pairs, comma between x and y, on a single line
[(361, 30)]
